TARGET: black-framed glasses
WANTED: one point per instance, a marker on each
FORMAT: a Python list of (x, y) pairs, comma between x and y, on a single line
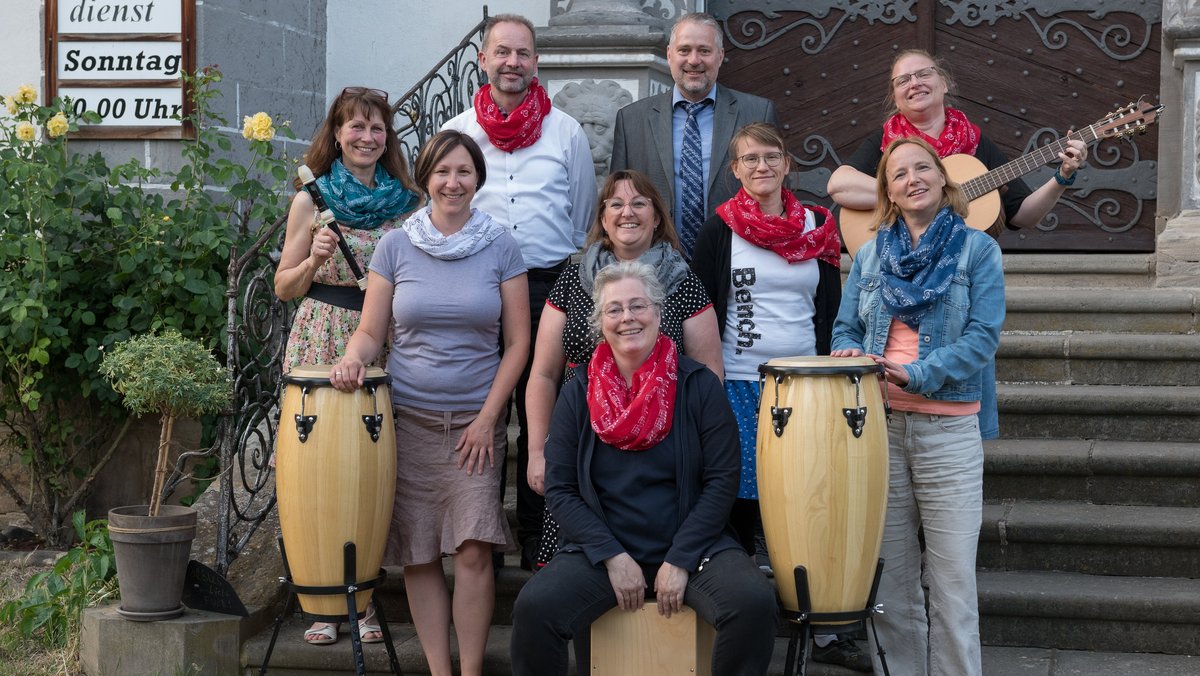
[(357, 91), (924, 75), (751, 161)]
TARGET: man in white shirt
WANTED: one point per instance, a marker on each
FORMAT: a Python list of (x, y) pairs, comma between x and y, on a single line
[(540, 184)]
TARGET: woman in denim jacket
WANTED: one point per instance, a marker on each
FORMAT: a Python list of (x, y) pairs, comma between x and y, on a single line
[(925, 299)]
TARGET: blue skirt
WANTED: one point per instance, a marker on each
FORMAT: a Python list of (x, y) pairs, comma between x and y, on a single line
[(743, 399)]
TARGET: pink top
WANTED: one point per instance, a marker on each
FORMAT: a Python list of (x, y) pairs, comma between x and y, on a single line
[(902, 345)]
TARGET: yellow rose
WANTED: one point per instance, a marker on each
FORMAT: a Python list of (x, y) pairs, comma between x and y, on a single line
[(10, 102), (57, 125), (25, 131), (26, 94), (258, 127)]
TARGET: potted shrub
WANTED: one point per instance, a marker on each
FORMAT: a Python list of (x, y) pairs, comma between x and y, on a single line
[(173, 376)]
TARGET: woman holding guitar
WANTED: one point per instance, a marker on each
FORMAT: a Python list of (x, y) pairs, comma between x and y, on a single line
[(916, 103), (925, 299)]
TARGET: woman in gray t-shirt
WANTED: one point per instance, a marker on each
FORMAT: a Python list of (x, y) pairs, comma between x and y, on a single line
[(445, 288)]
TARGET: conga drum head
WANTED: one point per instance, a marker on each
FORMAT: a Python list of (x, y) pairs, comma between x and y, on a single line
[(819, 366), (318, 374), (335, 478), (822, 477)]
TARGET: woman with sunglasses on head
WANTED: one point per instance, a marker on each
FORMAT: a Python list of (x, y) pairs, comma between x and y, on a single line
[(364, 180), (632, 224), (925, 300), (771, 266), (916, 105)]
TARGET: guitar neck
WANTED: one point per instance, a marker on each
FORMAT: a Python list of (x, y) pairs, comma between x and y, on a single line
[(982, 185)]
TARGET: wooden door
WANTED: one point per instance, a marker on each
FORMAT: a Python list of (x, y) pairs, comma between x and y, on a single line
[(1025, 72)]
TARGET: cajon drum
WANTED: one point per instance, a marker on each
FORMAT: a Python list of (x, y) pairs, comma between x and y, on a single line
[(644, 643)]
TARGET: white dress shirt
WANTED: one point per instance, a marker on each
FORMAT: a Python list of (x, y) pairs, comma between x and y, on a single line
[(545, 194)]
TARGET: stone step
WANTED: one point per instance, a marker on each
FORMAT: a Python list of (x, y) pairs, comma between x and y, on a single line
[(1144, 413), (1099, 358), (1079, 270), (1093, 539), (1130, 310), (1098, 472), (1074, 611), (292, 657)]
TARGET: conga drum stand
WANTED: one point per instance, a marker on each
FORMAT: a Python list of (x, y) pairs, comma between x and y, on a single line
[(350, 588), (802, 622)]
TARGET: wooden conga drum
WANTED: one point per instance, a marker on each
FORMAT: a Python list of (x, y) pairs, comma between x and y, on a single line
[(823, 477), (335, 466)]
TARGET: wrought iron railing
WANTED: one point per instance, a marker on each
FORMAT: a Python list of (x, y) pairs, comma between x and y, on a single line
[(257, 324), (447, 90)]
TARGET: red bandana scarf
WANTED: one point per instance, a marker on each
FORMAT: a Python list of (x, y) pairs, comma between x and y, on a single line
[(638, 417), (958, 136), (784, 234), (523, 125)]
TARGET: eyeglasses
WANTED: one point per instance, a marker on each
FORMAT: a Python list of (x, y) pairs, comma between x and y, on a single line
[(637, 308), (923, 75), (751, 161), (358, 91), (638, 204)]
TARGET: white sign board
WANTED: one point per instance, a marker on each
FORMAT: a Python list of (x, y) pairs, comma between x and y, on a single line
[(107, 16), (120, 60), (128, 106)]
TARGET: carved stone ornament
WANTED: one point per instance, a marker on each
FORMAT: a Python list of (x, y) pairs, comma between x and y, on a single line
[(594, 104)]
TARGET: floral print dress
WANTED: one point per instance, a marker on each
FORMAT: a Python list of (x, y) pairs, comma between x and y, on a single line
[(320, 331)]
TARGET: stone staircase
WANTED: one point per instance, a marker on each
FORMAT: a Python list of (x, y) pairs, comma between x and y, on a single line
[(1089, 554), (1091, 533)]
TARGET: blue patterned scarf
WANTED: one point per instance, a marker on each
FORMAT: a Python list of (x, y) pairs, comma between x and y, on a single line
[(914, 279), (354, 205)]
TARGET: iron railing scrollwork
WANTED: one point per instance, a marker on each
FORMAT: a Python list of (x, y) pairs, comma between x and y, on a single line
[(257, 324), (447, 90)]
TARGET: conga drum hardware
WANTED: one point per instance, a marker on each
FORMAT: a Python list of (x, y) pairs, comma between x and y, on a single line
[(305, 423)]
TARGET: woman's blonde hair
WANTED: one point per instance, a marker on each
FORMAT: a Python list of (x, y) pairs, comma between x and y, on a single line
[(886, 212)]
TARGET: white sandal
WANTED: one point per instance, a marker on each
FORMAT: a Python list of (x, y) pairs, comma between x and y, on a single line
[(368, 625), (328, 634)]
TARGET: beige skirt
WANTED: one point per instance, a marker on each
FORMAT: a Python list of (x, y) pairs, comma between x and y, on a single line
[(438, 506)]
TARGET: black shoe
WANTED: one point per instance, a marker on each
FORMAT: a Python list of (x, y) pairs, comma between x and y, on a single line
[(529, 550), (761, 558), (842, 652)]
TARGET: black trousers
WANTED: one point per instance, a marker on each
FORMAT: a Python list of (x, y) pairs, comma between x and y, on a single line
[(529, 503)]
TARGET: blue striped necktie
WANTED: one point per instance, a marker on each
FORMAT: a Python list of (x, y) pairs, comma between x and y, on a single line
[(691, 174)]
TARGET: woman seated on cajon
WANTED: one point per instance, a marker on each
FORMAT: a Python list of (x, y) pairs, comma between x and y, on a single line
[(642, 468)]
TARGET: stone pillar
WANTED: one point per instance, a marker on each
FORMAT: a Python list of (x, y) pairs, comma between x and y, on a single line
[(1178, 242), (601, 55)]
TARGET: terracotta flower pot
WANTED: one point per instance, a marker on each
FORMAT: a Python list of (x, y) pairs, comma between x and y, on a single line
[(152, 556)]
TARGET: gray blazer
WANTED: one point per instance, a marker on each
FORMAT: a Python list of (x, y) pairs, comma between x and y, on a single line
[(642, 141)]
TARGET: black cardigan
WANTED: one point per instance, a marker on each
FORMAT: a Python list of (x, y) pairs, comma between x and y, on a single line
[(711, 262)]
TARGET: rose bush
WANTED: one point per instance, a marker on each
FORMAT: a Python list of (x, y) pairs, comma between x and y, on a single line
[(92, 255)]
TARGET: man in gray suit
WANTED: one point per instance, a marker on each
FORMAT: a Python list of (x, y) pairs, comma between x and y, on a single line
[(650, 134)]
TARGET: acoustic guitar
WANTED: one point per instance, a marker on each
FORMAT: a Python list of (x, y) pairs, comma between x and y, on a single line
[(982, 187)]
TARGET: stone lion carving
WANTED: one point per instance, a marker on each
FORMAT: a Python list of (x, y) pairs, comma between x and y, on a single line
[(594, 104)]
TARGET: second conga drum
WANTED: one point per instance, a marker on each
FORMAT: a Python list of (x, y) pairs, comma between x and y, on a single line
[(335, 467), (822, 477)]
